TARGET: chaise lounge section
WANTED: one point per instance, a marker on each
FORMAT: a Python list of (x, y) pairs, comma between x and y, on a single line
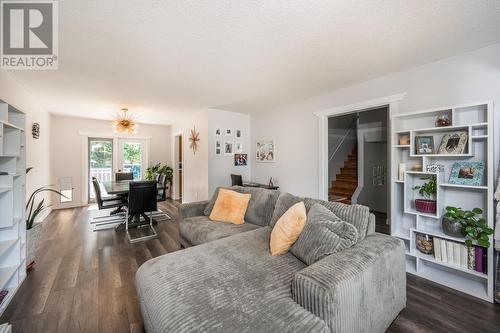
[(228, 281)]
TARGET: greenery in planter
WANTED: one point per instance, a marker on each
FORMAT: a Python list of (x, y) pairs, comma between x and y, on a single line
[(32, 209), (162, 170), (429, 189), (475, 228)]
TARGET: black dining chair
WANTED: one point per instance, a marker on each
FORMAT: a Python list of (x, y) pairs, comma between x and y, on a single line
[(124, 176), (141, 200), (162, 192), (236, 180), (156, 177), (108, 202)]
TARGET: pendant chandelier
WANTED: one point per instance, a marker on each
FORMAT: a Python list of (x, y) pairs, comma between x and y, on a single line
[(124, 123)]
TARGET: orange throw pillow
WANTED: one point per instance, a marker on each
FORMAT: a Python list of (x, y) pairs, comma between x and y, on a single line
[(288, 228), (230, 206)]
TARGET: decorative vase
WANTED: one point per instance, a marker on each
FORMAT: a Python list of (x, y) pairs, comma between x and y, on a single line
[(33, 236), (452, 227), (425, 206), (443, 120), (424, 243)]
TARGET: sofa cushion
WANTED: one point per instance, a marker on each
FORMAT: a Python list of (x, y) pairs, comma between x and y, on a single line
[(229, 285), (230, 207), (260, 208), (199, 229), (324, 234), (357, 215), (288, 229)]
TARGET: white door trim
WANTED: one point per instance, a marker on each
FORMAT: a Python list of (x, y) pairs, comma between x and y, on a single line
[(390, 101)]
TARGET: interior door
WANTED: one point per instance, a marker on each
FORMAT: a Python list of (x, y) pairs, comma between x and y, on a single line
[(132, 157)]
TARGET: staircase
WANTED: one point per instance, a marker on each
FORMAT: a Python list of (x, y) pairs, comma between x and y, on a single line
[(346, 181)]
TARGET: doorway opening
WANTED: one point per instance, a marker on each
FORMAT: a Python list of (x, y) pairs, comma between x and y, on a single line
[(358, 160)]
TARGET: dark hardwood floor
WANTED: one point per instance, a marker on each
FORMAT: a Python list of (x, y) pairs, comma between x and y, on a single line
[(84, 282)]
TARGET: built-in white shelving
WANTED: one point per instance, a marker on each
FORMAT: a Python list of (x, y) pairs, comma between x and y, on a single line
[(12, 201), (477, 120)]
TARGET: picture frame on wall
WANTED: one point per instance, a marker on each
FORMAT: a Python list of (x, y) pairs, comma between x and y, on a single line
[(453, 143), (265, 151), (238, 148), (467, 173), (228, 148), (240, 159), (218, 148), (424, 144), (238, 133), (218, 132), (228, 132)]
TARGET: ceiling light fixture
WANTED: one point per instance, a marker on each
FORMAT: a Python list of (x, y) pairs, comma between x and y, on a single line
[(124, 123)]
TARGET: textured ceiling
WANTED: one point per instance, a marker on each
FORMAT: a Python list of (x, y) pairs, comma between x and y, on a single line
[(164, 59)]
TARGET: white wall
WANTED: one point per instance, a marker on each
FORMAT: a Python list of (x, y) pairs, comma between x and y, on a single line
[(37, 150), (221, 167), (67, 156), (473, 76), (194, 165)]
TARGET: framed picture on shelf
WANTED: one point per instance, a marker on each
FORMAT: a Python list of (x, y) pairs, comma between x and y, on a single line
[(467, 173), (218, 148), (424, 144), (453, 143), (228, 148), (228, 132), (265, 151), (218, 132), (238, 147), (240, 159)]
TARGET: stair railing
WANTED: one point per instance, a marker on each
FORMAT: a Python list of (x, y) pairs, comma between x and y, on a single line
[(351, 126)]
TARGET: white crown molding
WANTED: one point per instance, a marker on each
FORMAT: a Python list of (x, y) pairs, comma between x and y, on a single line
[(378, 102)]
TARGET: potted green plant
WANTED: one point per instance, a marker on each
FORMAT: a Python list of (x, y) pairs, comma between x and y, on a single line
[(428, 191), (33, 228), (467, 223), (161, 170)]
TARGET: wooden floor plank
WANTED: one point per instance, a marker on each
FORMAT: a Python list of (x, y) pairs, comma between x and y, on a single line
[(84, 281)]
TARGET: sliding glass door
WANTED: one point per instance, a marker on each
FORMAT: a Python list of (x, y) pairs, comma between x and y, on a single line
[(100, 162)]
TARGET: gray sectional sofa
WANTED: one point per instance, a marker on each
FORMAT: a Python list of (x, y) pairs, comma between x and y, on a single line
[(226, 280)]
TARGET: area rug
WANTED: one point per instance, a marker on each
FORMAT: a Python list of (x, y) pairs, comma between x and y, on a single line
[(111, 221)]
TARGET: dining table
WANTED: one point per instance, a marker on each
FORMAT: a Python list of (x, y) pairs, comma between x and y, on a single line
[(121, 188)]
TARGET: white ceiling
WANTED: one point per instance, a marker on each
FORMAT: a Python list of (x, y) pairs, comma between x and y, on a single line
[(164, 59)]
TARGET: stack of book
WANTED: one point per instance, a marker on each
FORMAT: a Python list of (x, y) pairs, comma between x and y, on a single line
[(473, 258)]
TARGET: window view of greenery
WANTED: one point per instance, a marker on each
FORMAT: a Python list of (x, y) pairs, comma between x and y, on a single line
[(101, 154), (132, 159), (101, 162)]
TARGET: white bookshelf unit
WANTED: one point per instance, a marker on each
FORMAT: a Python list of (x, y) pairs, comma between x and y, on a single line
[(12, 201), (476, 119)]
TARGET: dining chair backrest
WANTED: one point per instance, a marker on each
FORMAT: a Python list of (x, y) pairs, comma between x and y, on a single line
[(236, 180), (161, 179), (156, 177), (97, 190), (142, 197), (124, 176)]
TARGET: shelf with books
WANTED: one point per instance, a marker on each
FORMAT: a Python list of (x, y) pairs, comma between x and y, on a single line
[(430, 258), (470, 125)]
